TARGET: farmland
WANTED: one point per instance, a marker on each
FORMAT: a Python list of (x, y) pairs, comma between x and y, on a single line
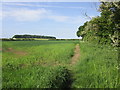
[(48, 64)]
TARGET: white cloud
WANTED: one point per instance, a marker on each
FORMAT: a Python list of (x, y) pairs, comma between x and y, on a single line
[(58, 18), (52, 0), (25, 14), (78, 19), (0, 11), (38, 5), (28, 14), (0, 15)]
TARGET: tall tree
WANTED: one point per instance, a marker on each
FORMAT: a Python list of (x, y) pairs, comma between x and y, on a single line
[(105, 28)]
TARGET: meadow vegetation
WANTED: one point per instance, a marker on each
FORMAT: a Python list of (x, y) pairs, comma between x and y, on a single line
[(47, 64), (36, 64), (97, 67)]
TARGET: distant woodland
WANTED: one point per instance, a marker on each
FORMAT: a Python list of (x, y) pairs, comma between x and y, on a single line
[(28, 38), (33, 36)]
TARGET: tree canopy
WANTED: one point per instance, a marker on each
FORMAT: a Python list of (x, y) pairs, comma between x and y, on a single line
[(104, 28)]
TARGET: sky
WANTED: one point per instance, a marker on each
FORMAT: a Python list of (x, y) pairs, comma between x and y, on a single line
[(59, 19)]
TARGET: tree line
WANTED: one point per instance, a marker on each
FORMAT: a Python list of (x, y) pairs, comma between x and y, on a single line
[(33, 36), (104, 28)]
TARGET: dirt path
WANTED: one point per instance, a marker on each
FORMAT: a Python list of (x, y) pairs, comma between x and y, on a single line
[(76, 56), (18, 53)]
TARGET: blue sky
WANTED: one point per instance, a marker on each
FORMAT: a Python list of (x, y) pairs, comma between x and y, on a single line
[(59, 19)]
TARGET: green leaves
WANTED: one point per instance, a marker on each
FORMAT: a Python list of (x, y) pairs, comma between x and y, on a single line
[(103, 26)]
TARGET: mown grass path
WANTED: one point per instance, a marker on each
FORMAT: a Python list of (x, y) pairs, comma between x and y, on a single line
[(73, 62), (76, 55)]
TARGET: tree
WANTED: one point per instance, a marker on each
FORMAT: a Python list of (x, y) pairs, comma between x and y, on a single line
[(104, 28)]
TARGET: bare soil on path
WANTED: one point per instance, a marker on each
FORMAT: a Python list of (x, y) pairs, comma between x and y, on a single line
[(18, 53), (76, 55)]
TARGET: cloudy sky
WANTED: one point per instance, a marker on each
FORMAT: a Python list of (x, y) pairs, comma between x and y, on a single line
[(59, 19)]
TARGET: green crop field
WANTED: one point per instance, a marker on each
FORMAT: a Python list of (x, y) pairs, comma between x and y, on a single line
[(47, 64)]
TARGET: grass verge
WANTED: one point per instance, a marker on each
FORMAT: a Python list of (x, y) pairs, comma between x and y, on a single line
[(97, 67)]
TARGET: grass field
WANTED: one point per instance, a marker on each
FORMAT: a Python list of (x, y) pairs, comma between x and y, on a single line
[(97, 67), (36, 64), (47, 64)]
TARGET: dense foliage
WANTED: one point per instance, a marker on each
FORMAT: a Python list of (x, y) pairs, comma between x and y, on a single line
[(103, 28), (33, 36)]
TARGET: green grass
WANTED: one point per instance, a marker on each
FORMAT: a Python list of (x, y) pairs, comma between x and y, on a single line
[(35, 77), (38, 52), (46, 64), (43, 66), (97, 68)]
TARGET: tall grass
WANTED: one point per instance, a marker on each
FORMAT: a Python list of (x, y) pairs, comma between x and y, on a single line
[(38, 52), (41, 67), (36, 77), (97, 67), (46, 64)]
